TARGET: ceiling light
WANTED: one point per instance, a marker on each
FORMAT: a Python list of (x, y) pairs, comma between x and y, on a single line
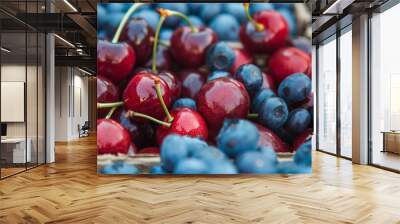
[(65, 41), (5, 49), (70, 5), (84, 71)]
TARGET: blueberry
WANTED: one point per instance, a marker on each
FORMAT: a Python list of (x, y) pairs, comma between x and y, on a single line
[(209, 11), (259, 97), (295, 88), (173, 21), (220, 57), (173, 150), (116, 7), (196, 21), (217, 74), (303, 154), (101, 16), (236, 10), (113, 21), (119, 167), (298, 121), (223, 167), (210, 155), (289, 167), (290, 19), (251, 76), (150, 16), (226, 27), (284, 134), (273, 112), (255, 162), (184, 102), (269, 153), (237, 136), (166, 34), (191, 166), (102, 35), (194, 8), (193, 144), (257, 7), (285, 6), (303, 44), (157, 170)]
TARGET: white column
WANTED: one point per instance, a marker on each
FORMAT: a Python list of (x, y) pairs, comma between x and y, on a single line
[(50, 101), (360, 90)]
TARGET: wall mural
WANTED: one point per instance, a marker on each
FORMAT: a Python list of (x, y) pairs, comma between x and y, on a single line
[(189, 88)]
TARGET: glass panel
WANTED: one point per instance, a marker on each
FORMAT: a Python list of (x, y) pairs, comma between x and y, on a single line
[(346, 94), (41, 99), (13, 80), (385, 84), (327, 96)]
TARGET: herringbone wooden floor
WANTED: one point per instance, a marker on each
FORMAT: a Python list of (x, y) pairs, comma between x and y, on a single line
[(70, 191)]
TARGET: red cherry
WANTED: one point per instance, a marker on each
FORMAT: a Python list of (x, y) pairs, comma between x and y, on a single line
[(192, 81), (107, 92), (189, 48), (115, 60), (241, 57), (269, 139), (140, 94), (164, 59), (272, 37), (138, 34), (150, 150), (301, 138), (222, 98), (112, 138), (268, 82), (186, 122), (287, 61), (173, 82)]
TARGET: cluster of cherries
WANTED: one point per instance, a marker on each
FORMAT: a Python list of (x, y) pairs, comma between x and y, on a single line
[(148, 89)]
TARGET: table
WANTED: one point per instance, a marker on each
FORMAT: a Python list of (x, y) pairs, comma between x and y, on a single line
[(16, 148), (391, 141)]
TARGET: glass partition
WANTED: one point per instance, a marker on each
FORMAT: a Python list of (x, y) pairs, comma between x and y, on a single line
[(385, 89), (327, 96)]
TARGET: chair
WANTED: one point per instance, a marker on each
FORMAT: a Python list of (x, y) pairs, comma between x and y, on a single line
[(84, 130)]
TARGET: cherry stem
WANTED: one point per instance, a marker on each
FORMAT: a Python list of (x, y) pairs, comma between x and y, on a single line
[(110, 113), (259, 27), (167, 12), (124, 20), (164, 106), (155, 43), (252, 115), (108, 105), (132, 113)]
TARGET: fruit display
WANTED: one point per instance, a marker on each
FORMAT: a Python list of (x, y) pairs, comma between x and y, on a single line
[(189, 88)]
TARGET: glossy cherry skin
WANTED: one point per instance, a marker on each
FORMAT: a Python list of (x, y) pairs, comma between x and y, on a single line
[(174, 83), (192, 80), (222, 98), (164, 59), (115, 61), (186, 122), (269, 139), (138, 34), (301, 138), (140, 95), (287, 61), (112, 138), (241, 57), (189, 48), (268, 82), (149, 150), (107, 92), (273, 36)]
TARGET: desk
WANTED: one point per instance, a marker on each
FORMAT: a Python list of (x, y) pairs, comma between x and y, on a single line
[(15, 148), (391, 141)]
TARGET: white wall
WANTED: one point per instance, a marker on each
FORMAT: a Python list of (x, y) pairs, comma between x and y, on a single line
[(71, 94)]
